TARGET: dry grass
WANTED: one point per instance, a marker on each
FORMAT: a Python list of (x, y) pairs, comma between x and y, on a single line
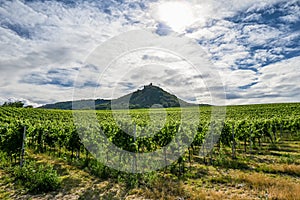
[(291, 169), (4, 186), (168, 189), (276, 187)]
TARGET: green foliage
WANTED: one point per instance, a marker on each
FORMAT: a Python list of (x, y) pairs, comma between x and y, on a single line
[(99, 170), (37, 178), (55, 130), (289, 159), (17, 104), (11, 138), (230, 164), (4, 162)]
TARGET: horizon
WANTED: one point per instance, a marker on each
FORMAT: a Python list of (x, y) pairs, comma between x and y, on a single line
[(99, 98), (252, 45)]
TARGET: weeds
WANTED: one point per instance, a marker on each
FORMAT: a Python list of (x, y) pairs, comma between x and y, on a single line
[(36, 178)]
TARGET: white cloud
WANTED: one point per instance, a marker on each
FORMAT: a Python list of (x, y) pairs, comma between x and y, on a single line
[(291, 18), (205, 10), (260, 34), (282, 77), (275, 83), (39, 36), (26, 102), (238, 78)]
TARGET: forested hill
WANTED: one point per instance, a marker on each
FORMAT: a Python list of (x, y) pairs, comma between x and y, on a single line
[(149, 96)]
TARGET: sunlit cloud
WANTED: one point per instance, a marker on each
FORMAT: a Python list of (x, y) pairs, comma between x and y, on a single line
[(253, 44)]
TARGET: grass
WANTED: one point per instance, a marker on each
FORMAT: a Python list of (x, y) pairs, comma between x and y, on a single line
[(289, 169), (5, 181), (275, 187)]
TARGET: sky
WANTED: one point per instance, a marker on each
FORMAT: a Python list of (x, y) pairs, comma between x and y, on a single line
[(49, 47)]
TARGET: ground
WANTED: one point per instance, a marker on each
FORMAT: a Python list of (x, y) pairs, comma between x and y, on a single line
[(270, 174)]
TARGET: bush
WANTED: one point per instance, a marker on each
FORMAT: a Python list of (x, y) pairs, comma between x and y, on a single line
[(4, 162), (37, 178)]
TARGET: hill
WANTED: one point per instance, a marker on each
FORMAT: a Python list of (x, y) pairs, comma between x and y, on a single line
[(80, 104), (148, 97)]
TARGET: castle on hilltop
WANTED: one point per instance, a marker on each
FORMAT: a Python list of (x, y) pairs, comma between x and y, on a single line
[(148, 86)]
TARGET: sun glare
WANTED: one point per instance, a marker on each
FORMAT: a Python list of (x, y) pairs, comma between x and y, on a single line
[(177, 15)]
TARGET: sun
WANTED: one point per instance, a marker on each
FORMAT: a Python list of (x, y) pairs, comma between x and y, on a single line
[(176, 14)]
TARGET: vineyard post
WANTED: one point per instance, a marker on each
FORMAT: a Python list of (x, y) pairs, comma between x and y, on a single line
[(275, 134), (281, 130), (23, 147), (203, 153), (165, 153), (259, 142), (251, 142), (245, 144), (211, 151), (233, 142), (190, 151), (134, 163)]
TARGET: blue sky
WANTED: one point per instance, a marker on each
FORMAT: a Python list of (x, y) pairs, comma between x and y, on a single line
[(254, 46)]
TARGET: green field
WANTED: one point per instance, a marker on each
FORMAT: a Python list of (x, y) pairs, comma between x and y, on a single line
[(256, 157)]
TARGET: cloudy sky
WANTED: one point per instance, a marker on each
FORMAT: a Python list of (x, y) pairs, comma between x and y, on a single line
[(253, 45)]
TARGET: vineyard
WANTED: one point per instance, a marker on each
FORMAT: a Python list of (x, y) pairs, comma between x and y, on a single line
[(28, 136)]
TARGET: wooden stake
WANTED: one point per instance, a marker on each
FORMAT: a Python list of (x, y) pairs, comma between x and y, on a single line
[(23, 147), (233, 143)]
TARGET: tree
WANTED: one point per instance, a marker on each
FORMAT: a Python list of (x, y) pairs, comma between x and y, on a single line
[(17, 104)]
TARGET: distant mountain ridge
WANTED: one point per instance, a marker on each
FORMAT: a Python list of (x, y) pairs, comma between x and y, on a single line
[(149, 96), (80, 104)]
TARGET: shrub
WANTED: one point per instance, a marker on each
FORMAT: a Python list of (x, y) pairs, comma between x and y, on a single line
[(99, 170), (3, 160), (37, 178)]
